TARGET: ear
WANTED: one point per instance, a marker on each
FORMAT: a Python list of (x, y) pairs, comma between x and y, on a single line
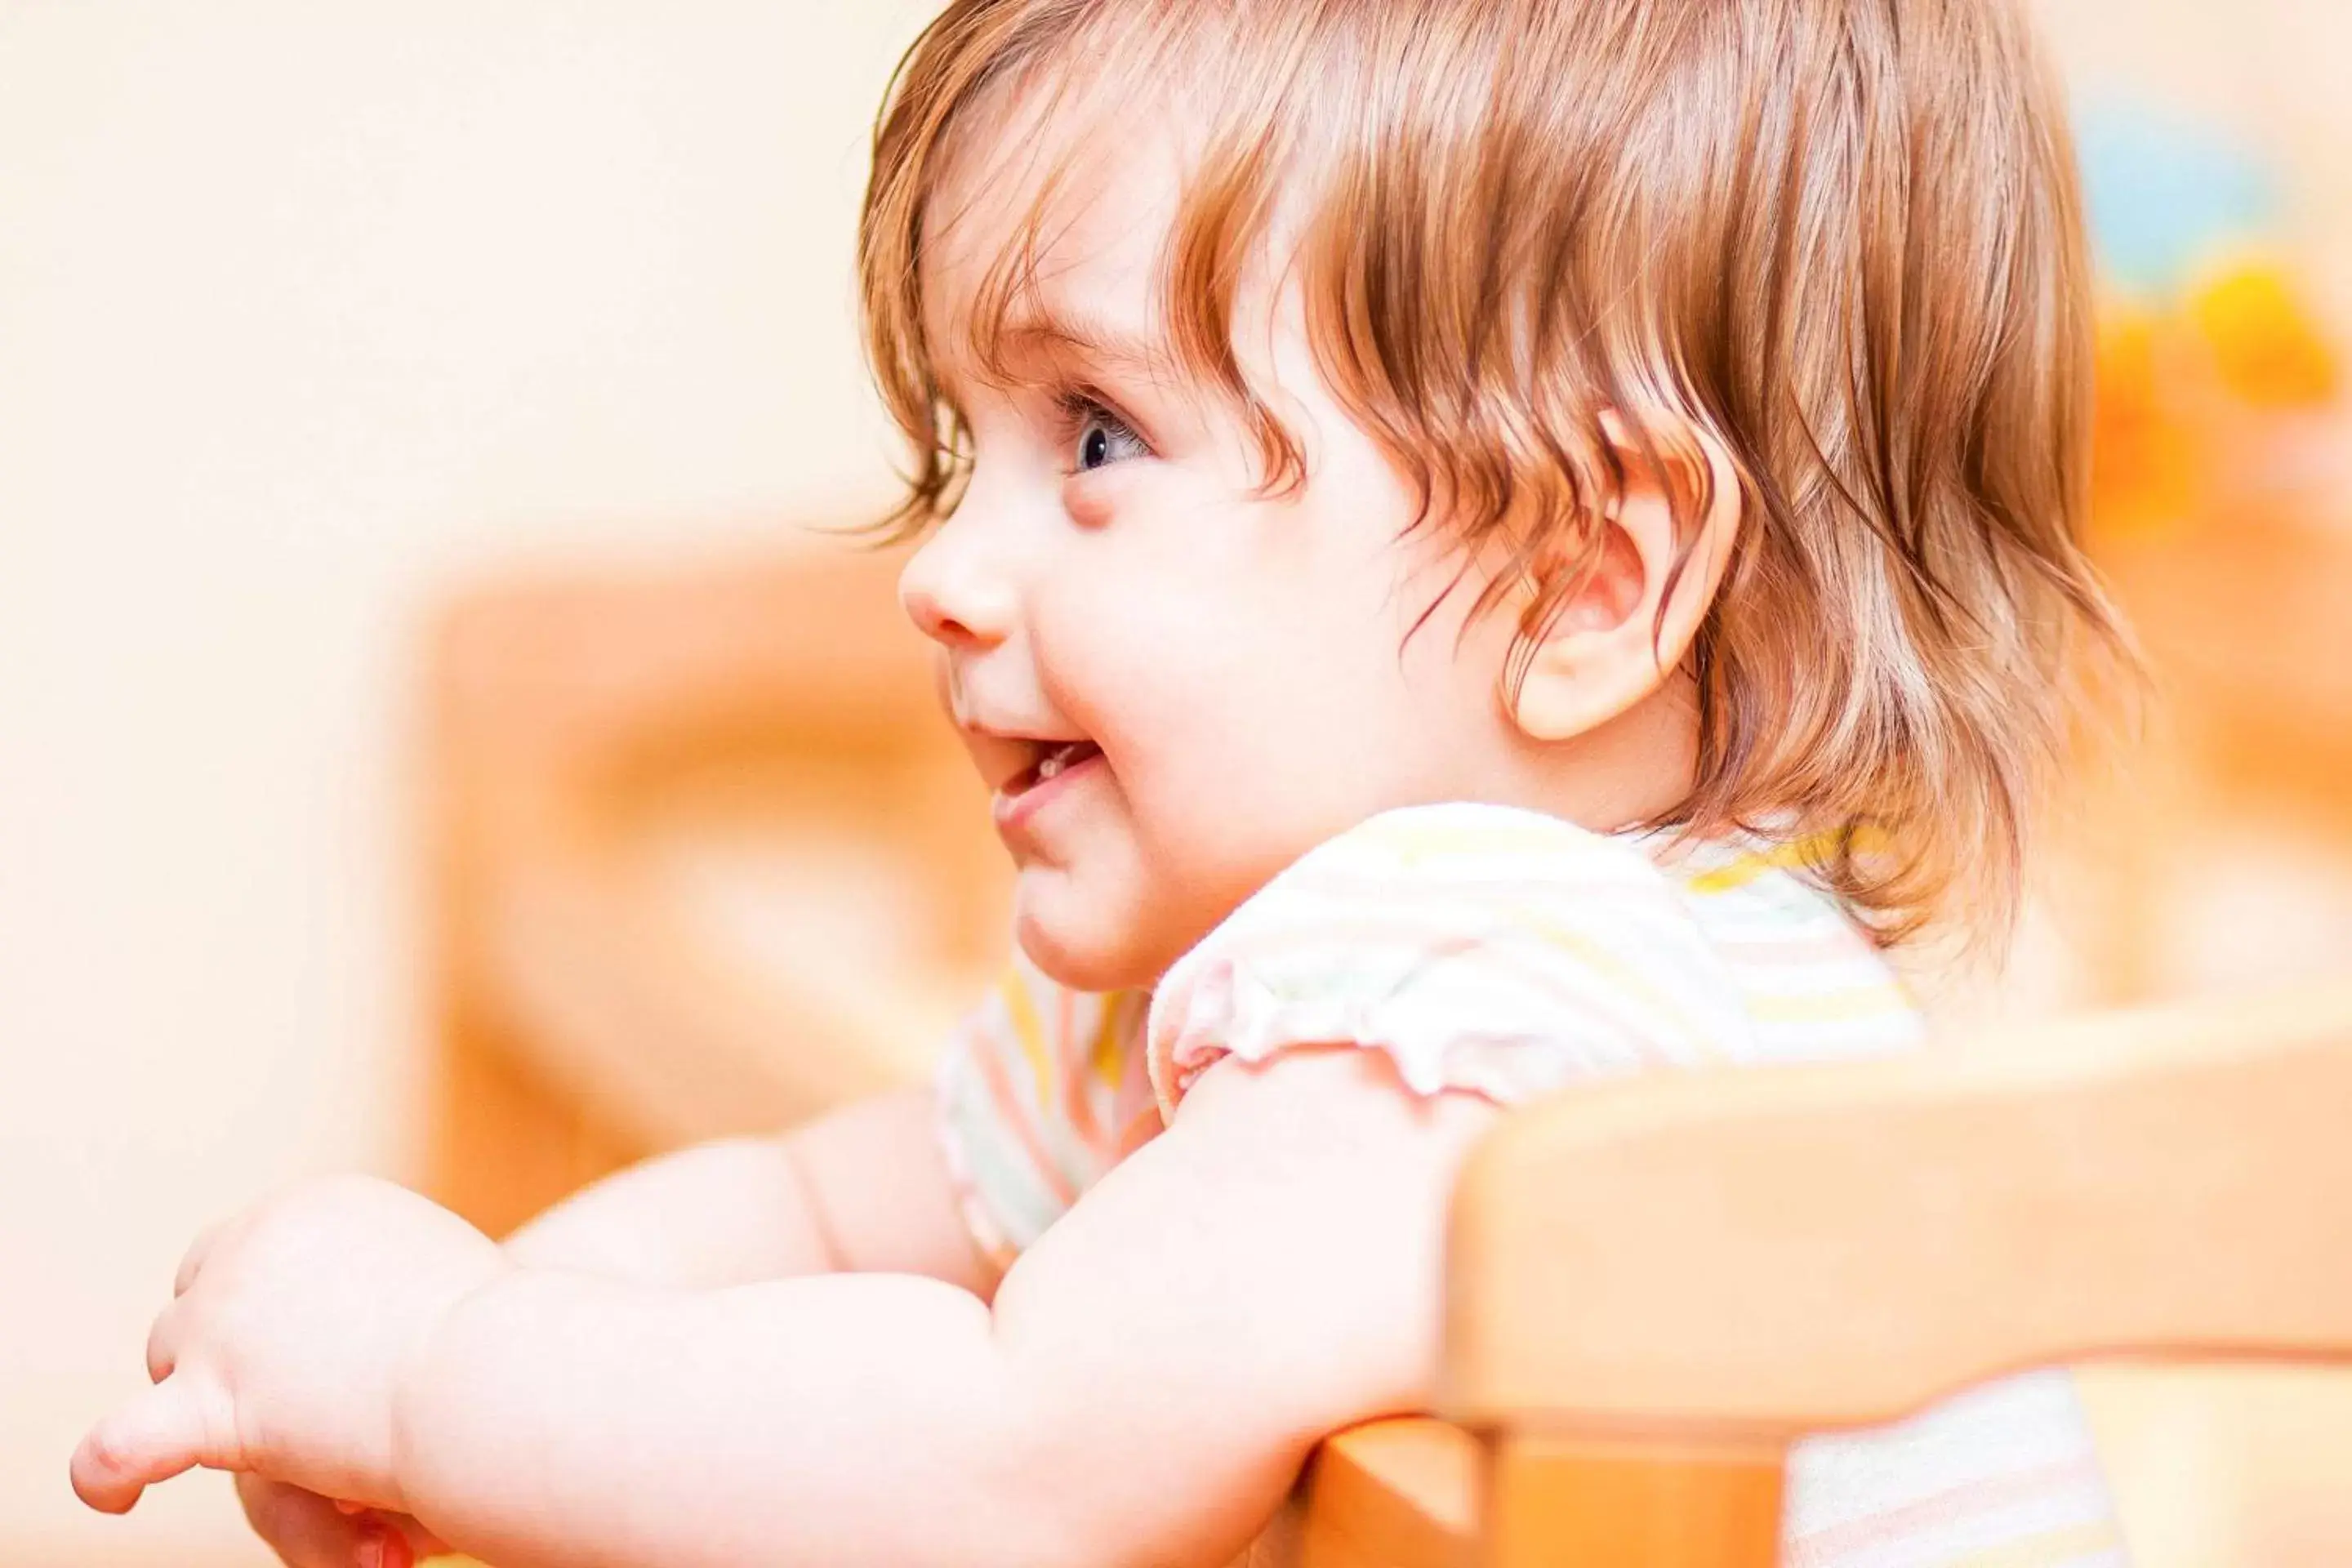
[(1608, 646)]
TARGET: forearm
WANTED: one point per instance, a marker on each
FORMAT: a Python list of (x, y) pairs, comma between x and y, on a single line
[(727, 1213), (858, 1419), (862, 1188)]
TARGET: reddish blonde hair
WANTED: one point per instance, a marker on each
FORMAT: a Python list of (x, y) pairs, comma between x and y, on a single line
[(1840, 239)]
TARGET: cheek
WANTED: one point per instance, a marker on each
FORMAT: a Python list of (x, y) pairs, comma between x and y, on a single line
[(1150, 630), (1252, 683), (1171, 680), (1225, 657), (1239, 742)]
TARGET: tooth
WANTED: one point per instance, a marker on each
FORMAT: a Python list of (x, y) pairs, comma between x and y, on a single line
[(1050, 766)]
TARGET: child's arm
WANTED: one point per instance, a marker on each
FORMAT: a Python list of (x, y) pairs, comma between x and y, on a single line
[(861, 1189), (1154, 1371)]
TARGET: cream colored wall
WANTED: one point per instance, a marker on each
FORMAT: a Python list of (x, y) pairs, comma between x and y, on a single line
[(304, 307)]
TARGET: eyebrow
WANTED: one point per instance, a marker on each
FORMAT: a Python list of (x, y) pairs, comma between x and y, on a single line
[(1063, 333)]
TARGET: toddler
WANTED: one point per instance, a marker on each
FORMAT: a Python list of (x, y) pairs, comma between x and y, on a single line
[(1480, 545)]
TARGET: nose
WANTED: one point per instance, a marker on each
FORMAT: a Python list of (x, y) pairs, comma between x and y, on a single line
[(954, 596)]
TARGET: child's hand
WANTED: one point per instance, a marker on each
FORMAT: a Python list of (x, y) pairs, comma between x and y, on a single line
[(307, 1530), (283, 1352)]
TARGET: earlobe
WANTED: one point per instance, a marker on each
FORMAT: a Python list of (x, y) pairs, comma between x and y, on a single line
[(1629, 620), (1590, 659), (1562, 696)]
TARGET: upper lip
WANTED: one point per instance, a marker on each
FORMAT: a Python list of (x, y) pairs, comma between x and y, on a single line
[(1005, 752)]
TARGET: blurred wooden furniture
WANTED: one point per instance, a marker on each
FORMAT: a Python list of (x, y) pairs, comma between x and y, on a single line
[(583, 729), (2161, 1185), (2246, 620), (2248, 623)]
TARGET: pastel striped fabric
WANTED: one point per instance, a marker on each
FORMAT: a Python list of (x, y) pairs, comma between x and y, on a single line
[(1508, 953)]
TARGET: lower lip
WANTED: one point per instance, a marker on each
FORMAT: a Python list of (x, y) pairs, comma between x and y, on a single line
[(1014, 811)]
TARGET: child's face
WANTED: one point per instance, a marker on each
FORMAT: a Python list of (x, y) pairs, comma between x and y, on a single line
[(1212, 683)]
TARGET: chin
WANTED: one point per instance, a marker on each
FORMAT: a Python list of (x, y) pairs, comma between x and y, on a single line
[(1083, 944)]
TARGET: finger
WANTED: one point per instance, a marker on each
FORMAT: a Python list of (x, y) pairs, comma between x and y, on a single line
[(194, 1263), (157, 1436), (164, 1345), (381, 1545), (303, 1528), (403, 1541), (423, 1544)]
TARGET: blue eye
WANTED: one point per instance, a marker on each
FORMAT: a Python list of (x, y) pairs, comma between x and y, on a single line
[(1101, 437)]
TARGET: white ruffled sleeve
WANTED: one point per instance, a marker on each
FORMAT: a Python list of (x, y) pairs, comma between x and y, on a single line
[(1481, 948)]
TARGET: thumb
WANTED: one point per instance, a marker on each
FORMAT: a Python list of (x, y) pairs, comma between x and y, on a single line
[(161, 1432)]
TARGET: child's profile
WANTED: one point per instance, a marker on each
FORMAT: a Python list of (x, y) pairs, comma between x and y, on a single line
[(1479, 545)]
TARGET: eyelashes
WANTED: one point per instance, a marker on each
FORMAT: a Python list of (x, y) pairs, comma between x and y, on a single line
[(1083, 425), (1092, 433)]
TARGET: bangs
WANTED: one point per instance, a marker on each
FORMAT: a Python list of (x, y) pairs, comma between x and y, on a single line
[(1035, 117)]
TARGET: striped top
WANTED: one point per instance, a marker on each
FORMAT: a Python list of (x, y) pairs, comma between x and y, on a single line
[(1507, 953)]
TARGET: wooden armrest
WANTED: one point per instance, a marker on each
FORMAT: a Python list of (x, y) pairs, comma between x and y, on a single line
[(1656, 1286), (2171, 1184), (1393, 1494)]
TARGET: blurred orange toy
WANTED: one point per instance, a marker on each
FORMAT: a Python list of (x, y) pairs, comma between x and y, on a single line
[(2207, 343)]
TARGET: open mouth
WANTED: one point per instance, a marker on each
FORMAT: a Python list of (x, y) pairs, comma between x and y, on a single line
[(1052, 762)]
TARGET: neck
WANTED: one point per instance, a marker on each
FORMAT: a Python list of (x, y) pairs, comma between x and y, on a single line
[(1635, 768)]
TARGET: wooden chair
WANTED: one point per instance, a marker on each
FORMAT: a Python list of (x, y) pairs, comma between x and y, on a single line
[(2162, 1186)]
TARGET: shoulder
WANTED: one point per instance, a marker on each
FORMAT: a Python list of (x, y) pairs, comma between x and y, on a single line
[(1482, 947), (1814, 983), (1404, 877)]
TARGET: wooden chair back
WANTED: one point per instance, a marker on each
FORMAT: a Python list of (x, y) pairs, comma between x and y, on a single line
[(2161, 1185)]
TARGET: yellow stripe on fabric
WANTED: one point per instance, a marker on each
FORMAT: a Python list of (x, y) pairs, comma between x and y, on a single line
[(1611, 967), (1830, 1007), (1030, 1031), (1794, 855), (1109, 1063), (1012, 1117), (2065, 1544)]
